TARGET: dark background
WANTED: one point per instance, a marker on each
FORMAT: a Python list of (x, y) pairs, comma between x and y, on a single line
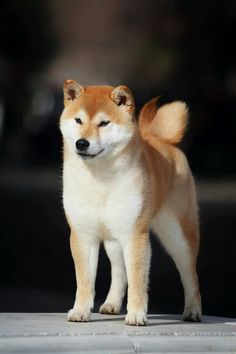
[(177, 49)]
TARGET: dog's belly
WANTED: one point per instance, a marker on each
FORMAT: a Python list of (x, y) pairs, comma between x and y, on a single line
[(103, 211)]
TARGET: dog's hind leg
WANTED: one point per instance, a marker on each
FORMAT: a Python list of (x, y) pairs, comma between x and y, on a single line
[(180, 239), (113, 302)]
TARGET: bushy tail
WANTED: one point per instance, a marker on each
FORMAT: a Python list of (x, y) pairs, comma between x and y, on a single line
[(167, 123)]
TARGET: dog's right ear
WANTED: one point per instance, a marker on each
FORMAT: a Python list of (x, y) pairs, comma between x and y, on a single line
[(123, 97), (72, 90)]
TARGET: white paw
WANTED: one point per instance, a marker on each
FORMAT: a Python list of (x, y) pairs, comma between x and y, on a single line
[(138, 318), (192, 314), (109, 308), (75, 315)]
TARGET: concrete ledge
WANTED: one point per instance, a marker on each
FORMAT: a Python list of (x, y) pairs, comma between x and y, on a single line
[(51, 333)]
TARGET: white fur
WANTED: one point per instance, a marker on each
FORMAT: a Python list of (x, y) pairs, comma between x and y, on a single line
[(169, 231), (103, 211), (91, 204), (116, 293), (111, 138)]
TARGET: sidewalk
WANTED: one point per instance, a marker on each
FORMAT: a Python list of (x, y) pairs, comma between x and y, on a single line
[(51, 333)]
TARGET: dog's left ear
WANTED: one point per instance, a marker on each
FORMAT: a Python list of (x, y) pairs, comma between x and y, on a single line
[(123, 97), (72, 90)]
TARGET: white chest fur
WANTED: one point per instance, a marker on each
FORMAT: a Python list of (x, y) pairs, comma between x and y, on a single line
[(99, 204)]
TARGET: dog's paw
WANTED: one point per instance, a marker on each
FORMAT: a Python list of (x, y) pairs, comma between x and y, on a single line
[(109, 309), (75, 315), (192, 314), (138, 318)]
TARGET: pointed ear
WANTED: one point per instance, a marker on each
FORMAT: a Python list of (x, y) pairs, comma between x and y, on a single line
[(123, 97), (72, 90)]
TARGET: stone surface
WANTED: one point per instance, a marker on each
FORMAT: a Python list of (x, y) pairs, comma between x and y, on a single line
[(51, 333)]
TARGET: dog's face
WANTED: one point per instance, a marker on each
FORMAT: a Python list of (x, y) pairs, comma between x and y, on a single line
[(98, 121)]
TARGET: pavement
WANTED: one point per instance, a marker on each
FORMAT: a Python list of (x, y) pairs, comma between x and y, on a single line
[(51, 333)]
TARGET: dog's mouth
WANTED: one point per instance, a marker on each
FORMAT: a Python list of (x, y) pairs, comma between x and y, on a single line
[(84, 155)]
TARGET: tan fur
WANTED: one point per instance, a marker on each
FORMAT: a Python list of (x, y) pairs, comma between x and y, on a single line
[(167, 123), (137, 275), (158, 178), (80, 268)]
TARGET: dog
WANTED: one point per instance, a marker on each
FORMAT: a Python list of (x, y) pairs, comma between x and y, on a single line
[(121, 178)]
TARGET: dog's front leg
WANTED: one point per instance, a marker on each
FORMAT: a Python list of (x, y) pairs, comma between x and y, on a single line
[(137, 254), (85, 255), (113, 302)]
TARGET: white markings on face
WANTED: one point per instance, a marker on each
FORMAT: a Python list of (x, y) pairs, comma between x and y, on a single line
[(113, 137), (70, 128), (104, 140)]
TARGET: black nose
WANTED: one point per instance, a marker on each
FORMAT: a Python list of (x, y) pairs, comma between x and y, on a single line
[(82, 144)]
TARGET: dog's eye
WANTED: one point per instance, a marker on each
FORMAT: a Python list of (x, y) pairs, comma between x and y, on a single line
[(78, 120), (103, 123)]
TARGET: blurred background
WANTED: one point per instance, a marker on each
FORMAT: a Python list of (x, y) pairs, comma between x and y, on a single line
[(178, 49)]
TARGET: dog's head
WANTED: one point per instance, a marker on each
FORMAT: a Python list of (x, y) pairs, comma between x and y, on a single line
[(97, 121)]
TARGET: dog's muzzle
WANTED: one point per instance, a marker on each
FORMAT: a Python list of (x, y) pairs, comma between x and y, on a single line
[(82, 146)]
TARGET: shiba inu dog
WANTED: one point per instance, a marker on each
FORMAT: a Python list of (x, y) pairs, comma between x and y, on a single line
[(121, 179)]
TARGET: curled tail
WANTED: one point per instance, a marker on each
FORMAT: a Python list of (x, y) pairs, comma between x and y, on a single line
[(167, 123)]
